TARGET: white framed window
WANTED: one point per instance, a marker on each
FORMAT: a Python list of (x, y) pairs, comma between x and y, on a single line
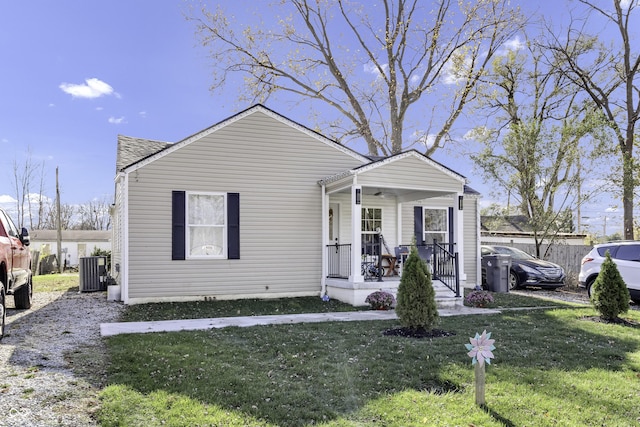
[(436, 225), (370, 229), (206, 225)]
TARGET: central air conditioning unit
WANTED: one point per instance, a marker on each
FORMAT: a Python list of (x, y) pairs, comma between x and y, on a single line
[(93, 274)]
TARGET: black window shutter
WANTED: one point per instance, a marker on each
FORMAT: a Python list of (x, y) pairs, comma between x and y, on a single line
[(418, 227), (233, 226), (178, 225)]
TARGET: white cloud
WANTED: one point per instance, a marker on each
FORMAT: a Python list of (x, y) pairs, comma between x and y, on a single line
[(117, 120), (372, 68), (513, 44), (92, 88), (426, 139), (5, 198), (143, 114), (455, 69), (51, 105)]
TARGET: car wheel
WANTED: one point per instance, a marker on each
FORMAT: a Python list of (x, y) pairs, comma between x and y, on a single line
[(590, 285), (22, 296), (513, 281), (3, 310)]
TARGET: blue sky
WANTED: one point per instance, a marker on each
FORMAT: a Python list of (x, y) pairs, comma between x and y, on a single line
[(77, 73)]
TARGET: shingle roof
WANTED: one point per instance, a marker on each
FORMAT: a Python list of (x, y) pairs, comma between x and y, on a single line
[(130, 150), (70, 235)]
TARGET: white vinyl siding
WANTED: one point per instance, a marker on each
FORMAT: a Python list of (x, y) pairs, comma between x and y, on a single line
[(412, 170), (275, 168)]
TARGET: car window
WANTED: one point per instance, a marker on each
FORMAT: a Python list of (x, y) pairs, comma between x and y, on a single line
[(515, 253), (628, 253), (602, 250), (10, 229)]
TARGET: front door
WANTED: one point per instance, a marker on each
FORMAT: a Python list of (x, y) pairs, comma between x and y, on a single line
[(334, 223)]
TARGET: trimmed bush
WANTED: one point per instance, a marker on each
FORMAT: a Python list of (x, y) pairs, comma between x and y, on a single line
[(416, 306), (609, 293)]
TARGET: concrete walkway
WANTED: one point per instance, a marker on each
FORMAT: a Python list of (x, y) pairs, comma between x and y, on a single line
[(108, 329)]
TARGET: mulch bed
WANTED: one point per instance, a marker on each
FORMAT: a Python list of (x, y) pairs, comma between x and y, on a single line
[(617, 321), (417, 333)]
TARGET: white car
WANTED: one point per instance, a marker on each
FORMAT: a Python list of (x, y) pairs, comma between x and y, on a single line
[(625, 254)]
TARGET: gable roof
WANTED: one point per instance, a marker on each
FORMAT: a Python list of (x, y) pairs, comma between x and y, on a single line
[(509, 223), (380, 162), (146, 153), (130, 150)]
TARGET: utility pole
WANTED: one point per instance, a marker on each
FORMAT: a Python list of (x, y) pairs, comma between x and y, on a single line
[(58, 224)]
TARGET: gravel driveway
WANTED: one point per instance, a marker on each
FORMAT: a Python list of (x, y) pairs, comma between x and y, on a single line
[(52, 359)]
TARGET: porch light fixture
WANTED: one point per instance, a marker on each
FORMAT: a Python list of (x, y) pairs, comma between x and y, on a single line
[(460, 203), (357, 196)]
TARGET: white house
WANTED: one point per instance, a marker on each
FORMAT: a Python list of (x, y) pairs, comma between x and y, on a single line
[(75, 243), (259, 206)]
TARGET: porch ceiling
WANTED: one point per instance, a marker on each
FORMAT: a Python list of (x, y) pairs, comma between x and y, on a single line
[(401, 195)]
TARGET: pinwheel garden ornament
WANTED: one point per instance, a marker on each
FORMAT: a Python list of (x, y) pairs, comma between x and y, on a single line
[(480, 351)]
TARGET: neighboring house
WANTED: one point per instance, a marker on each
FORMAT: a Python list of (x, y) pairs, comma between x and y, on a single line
[(258, 206), (515, 229), (75, 243)]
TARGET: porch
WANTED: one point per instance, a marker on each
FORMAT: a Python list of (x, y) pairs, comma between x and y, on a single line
[(383, 272)]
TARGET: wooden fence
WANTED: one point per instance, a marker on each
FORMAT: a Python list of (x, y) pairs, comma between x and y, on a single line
[(568, 257)]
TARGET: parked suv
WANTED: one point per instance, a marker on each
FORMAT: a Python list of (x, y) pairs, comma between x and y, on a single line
[(15, 267), (625, 254)]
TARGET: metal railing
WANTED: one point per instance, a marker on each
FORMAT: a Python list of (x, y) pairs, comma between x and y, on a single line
[(441, 257), (339, 261), (445, 266)]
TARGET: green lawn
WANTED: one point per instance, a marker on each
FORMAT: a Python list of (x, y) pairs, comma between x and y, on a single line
[(552, 367), (56, 282)]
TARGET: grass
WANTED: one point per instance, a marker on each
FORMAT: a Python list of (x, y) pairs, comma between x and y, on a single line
[(552, 367), (256, 307), (56, 282)]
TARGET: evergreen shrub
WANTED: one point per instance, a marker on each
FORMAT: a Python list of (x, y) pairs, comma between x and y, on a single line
[(416, 302), (609, 293)]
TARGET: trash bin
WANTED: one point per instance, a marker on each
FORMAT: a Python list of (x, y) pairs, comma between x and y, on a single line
[(497, 268)]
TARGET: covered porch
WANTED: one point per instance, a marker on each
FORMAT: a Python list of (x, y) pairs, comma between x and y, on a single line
[(373, 214)]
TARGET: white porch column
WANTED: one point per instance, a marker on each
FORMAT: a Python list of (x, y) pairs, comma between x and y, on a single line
[(399, 224), (356, 238), (325, 238), (458, 220)]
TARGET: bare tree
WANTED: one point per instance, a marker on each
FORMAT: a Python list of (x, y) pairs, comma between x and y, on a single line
[(534, 148), (609, 73), (395, 72), (23, 176), (67, 214), (94, 215)]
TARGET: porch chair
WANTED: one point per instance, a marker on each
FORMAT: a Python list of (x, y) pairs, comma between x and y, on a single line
[(401, 252), (426, 253)]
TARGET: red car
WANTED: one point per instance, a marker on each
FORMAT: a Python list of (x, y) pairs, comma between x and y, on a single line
[(15, 267)]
